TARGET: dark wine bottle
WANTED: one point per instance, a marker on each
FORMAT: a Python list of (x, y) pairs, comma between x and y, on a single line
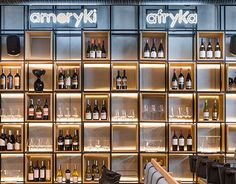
[(60, 141), (18, 141), (17, 80), (42, 173), (67, 80), (217, 53), (188, 80), (174, 141), (31, 110), (181, 79), (75, 141), (153, 50), (174, 81), (181, 141), (75, 80), (9, 80), (189, 141), (3, 80), (104, 55), (61, 78), (45, 111), (146, 52), (88, 50), (36, 171), (10, 141), (103, 111), (88, 114), (209, 50), (68, 141), (68, 174), (95, 110), (39, 111), (124, 80), (118, 80), (202, 50), (160, 52)]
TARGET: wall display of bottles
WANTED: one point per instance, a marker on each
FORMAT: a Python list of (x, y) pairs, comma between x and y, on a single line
[(113, 100)]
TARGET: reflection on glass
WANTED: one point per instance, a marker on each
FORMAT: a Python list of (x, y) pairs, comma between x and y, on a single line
[(123, 115), (11, 175), (153, 112), (97, 145), (40, 144), (68, 114), (11, 115), (209, 143), (180, 113), (152, 145)]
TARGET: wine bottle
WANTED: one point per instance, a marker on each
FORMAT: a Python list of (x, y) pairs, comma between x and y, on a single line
[(61, 79), (202, 52), (88, 50), (48, 172), (92, 50), (96, 173), (9, 80), (42, 175), (75, 141), (103, 165), (75, 175), (153, 50), (60, 141), (209, 50), (67, 80), (189, 141), (68, 174), (174, 82), (215, 111), (36, 171), (17, 80), (18, 141), (181, 141), (188, 80), (104, 55), (68, 141), (45, 110), (88, 114), (118, 80), (95, 110), (93, 169), (160, 52), (181, 79), (59, 175), (10, 141), (31, 172), (206, 114), (31, 110), (75, 80), (124, 80), (95, 47), (217, 53), (3, 80), (99, 50), (174, 141), (146, 52), (103, 111), (39, 111), (88, 172), (2, 140)]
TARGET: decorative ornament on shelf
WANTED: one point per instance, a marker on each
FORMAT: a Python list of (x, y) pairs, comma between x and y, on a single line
[(233, 45), (38, 84), (13, 45)]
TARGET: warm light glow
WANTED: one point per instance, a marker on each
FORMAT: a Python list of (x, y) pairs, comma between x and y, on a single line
[(40, 124), (12, 179), (97, 89), (207, 125), (96, 125), (150, 66), (208, 66), (183, 179), (181, 95), (44, 66), (124, 154), (125, 66), (96, 96), (124, 148), (12, 95), (96, 65), (72, 125), (125, 95), (183, 67), (68, 155), (150, 125), (8, 120), (128, 179), (124, 120), (209, 97), (180, 120), (152, 89), (68, 95), (11, 155), (231, 96), (68, 119), (11, 67), (151, 150), (182, 125)]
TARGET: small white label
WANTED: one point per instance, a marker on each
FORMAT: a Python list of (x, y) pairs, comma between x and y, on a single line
[(59, 179), (74, 82), (118, 82), (92, 54), (39, 114), (206, 115), (217, 54), (2, 142), (42, 174), (189, 84), (88, 116), (209, 54), (30, 176), (214, 115), (67, 176), (68, 141), (174, 142), (189, 142), (95, 116), (103, 115), (75, 179), (146, 54), (36, 173), (31, 111), (10, 146), (48, 175), (60, 82), (68, 81), (153, 54), (98, 54), (60, 143), (45, 111), (17, 146), (160, 54), (202, 54), (17, 81), (75, 143), (174, 84), (181, 142), (181, 80)]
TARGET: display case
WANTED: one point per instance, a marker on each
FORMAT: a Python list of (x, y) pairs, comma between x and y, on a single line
[(230, 139), (230, 76)]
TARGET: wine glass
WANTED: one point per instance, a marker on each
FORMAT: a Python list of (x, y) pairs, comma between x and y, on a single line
[(59, 113)]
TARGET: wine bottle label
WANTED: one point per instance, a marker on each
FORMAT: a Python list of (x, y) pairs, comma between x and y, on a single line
[(87, 54), (45, 111), (10, 146), (42, 173), (202, 54), (30, 176), (17, 81), (96, 116), (3, 81), (88, 177), (92, 54), (98, 54), (189, 142), (96, 177), (88, 116), (39, 114), (209, 54), (146, 54), (75, 143), (153, 54), (206, 115), (174, 84), (118, 82), (59, 179), (48, 175), (75, 179), (17, 146), (103, 115), (60, 143), (75, 82), (60, 82), (2, 142), (181, 80), (189, 84), (68, 81), (215, 115), (104, 55), (160, 54), (68, 141), (67, 176), (31, 111), (124, 83), (36, 173), (181, 142), (217, 54), (174, 142)]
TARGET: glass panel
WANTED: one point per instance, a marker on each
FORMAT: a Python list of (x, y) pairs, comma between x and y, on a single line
[(230, 13)]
